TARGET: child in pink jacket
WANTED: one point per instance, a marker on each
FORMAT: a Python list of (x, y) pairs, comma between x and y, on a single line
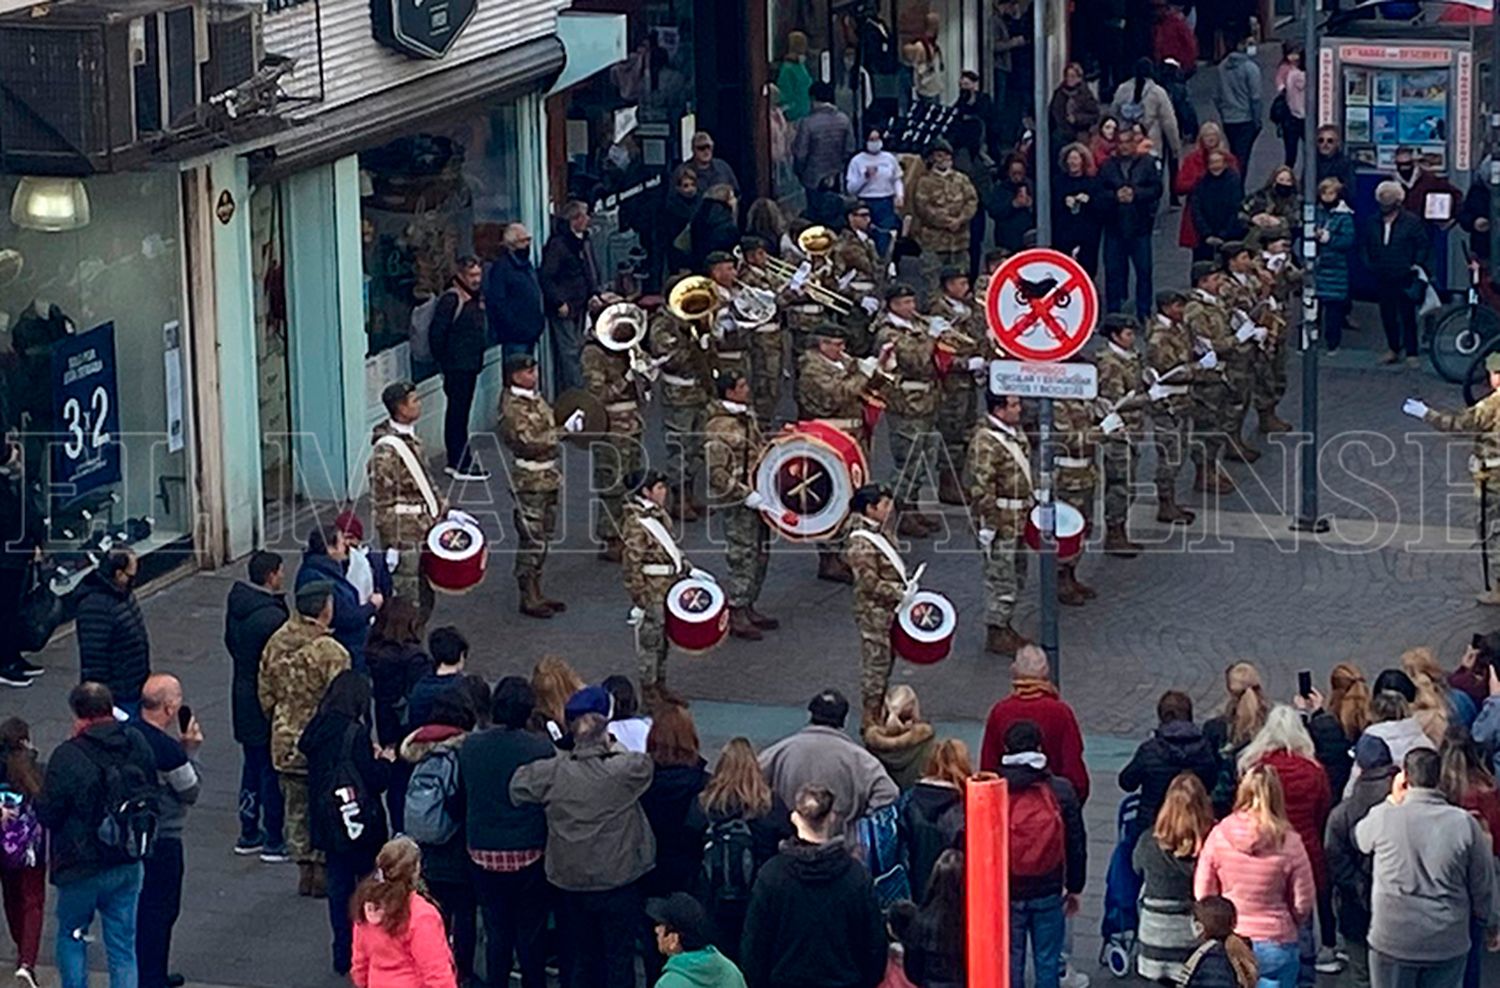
[(1255, 859), (399, 940)]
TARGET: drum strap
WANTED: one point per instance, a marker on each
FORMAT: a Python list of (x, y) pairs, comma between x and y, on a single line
[(659, 532), (409, 460), (1009, 445), (883, 544)]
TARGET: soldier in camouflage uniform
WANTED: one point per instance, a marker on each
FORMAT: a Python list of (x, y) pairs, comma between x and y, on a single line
[(610, 377), (767, 341), (652, 564), (804, 313), (732, 444), (1000, 495), (529, 430), (1075, 428), (912, 404), (858, 270), (1171, 356), (1207, 323), (1244, 295), (405, 505), (880, 584), (1125, 394), (683, 352), (1279, 270), (299, 661), (943, 201), (1483, 422), (960, 355), (731, 337)]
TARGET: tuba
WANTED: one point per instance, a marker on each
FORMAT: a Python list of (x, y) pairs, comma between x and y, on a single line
[(694, 299), (621, 328), (753, 306)]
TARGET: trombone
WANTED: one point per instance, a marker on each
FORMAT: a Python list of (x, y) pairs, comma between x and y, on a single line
[(784, 271)]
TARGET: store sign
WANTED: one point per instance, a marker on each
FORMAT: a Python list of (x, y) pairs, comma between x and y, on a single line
[(1463, 113), (85, 401), (420, 28), (1414, 55)]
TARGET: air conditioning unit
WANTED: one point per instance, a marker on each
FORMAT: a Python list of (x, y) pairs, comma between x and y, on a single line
[(235, 49)]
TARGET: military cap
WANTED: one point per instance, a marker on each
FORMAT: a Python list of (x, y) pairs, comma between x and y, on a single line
[(828, 331), (948, 274), (853, 204), (938, 145), (1234, 248), (1492, 363), (1202, 269), (395, 393), (717, 257), (517, 362), (1169, 296), (1117, 321), (900, 290)]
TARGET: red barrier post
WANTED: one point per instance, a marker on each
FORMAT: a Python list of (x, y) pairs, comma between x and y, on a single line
[(987, 881)]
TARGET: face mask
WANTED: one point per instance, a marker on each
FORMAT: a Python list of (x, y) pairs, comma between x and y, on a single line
[(1405, 171), (874, 146), (1285, 190), (1387, 208), (618, 156), (1251, 50)]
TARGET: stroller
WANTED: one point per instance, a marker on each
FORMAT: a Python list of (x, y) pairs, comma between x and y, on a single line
[(1122, 890)]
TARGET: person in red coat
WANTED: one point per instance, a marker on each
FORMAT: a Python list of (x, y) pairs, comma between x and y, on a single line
[(1190, 172), (1285, 745), (1172, 37), (1033, 697)]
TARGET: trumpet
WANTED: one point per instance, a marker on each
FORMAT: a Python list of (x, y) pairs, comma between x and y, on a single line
[(785, 271)]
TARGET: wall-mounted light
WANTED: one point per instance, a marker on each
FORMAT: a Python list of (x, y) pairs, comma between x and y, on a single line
[(49, 205)]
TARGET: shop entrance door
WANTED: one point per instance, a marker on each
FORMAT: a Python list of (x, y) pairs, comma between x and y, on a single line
[(268, 248)]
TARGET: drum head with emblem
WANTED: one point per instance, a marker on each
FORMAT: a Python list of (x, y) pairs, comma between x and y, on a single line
[(807, 477), (926, 625)]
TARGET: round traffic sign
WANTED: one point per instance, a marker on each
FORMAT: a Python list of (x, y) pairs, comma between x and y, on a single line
[(1041, 306)]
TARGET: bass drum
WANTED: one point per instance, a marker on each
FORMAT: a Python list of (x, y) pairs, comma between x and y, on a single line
[(1459, 333), (455, 556), (1069, 531), (807, 476), (923, 630), (697, 616)]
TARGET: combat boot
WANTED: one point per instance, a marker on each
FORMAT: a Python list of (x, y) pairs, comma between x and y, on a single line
[(555, 606), (1117, 542), (1211, 480), (760, 620), (318, 886), (933, 523), (304, 878), (950, 490), (834, 568), (740, 625), (1270, 422), (1089, 593), (1068, 593), (532, 604), (911, 525), (1003, 641), (1168, 512), (1240, 451), (612, 551)]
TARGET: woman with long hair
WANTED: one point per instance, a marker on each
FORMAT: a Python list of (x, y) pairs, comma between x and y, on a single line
[(1278, 202), (767, 220), (1467, 782), (1245, 710), (934, 940), (932, 811), (1283, 744), (1291, 83), (553, 681), (1190, 172), (399, 941), (901, 739), (1165, 857), (1076, 205), (23, 860), (396, 660), (1255, 859), (681, 773), (1104, 141), (1337, 721), (1437, 705), (1223, 959)]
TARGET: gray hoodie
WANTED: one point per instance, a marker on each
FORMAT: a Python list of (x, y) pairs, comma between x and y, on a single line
[(1400, 736), (1239, 96)]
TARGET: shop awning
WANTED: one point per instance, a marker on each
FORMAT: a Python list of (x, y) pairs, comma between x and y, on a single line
[(391, 112), (593, 43)]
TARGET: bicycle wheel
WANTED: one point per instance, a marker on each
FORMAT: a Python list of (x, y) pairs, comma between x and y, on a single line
[(1477, 380), (1458, 335)]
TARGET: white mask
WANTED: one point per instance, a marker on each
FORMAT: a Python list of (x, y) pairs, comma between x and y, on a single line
[(618, 156), (1251, 50), (874, 146)]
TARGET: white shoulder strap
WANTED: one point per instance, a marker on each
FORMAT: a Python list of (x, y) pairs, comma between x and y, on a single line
[(659, 532), (1010, 446), (409, 460), (883, 544)]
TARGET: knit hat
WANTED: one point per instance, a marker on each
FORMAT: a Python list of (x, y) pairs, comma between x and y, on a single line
[(589, 700), (348, 522)]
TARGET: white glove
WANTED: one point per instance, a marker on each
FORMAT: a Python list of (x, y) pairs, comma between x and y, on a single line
[(1244, 333), (937, 326), (1416, 408), (1238, 318), (847, 279), (868, 365), (870, 304), (637, 615), (1261, 334), (701, 574), (1209, 360), (463, 516), (392, 559), (986, 537), (799, 277), (1111, 423), (1157, 392), (574, 422), (976, 363), (1275, 262), (754, 501), (704, 341)]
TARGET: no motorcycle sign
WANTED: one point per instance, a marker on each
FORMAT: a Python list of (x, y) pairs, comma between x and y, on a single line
[(1041, 306)]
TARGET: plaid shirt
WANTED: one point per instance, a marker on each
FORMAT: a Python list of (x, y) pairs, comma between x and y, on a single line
[(505, 861)]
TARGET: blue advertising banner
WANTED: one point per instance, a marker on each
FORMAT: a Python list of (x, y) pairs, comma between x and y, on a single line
[(86, 446)]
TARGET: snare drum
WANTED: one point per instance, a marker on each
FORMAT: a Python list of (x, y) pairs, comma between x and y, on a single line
[(807, 476), (697, 616), (1069, 530), (923, 630), (454, 556)]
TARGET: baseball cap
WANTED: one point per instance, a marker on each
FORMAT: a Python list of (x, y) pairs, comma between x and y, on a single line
[(829, 707), (1371, 752), (589, 700), (684, 915), (1396, 681)]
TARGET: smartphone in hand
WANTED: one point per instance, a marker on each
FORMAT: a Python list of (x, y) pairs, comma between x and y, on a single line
[(184, 718), (1304, 682)]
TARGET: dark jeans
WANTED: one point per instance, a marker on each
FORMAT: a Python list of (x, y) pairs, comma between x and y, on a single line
[(262, 811), (344, 872), (455, 901), (1388, 972), (515, 923), (1120, 255), (1398, 317), (883, 222), (12, 586), (567, 349), (1328, 934), (458, 387), (1241, 139), (1334, 313), (1042, 920), (599, 930), (157, 911), (1474, 963), (1291, 137)]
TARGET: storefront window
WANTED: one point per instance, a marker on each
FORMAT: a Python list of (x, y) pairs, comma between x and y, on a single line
[(427, 199), (92, 354)]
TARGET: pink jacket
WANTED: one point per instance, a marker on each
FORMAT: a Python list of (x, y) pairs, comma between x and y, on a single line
[(417, 957), (1270, 886)]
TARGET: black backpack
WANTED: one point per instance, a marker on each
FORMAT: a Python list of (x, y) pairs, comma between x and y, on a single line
[(129, 812), (729, 860)]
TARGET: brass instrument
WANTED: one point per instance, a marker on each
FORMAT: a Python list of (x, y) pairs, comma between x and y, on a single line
[(621, 328), (694, 301), (785, 271), (753, 306)]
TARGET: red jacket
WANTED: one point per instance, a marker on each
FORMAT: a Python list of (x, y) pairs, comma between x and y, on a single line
[(1173, 37), (1308, 802), (1190, 170), (1062, 742), (417, 957)]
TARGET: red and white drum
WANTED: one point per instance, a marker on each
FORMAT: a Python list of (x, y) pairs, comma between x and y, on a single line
[(923, 630), (807, 476), (1070, 530), (697, 617), (455, 556)]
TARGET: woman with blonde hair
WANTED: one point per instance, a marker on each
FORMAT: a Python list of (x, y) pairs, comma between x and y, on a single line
[(553, 681), (932, 811), (1245, 710), (1190, 172), (901, 739), (1165, 858), (1255, 859), (1336, 722), (1436, 706), (399, 940)]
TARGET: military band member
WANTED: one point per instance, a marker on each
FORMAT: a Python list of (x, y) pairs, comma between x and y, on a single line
[(652, 564), (912, 404), (682, 353), (804, 313), (859, 275), (403, 498), (1283, 276), (943, 201), (960, 354), (530, 432), (993, 259), (1483, 422), (1126, 395), (1000, 496), (1243, 294), (1207, 323), (1076, 479), (768, 341), (731, 337), (1170, 355), (880, 585), (733, 444), (611, 378)]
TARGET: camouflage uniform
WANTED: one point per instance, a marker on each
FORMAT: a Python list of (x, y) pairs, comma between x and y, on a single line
[(299, 661), (942, 206), (857, 272), (529, 431), (608, 376), (1120, 374), (650, 570), (732, 444), (1077, 478), (684, 397), (803, 314), (1242, 294), (878, 589), (1171, 348), (913, 403), (1207, 322), (731, 342), (402, 516), (1483, 421), (958, 412), (1000, 493), (767, 349), (1270, 378), (833, 392)]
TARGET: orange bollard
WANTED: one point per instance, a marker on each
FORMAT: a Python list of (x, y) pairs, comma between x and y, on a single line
[(987, 881)]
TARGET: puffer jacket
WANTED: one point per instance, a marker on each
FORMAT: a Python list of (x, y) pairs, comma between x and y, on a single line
[(1331, 276), (449, 861), (931, 821), (903, 750), (1174, 748), (113, 645), (251, 617), (1269, 882), (351, 619), (1308, 800)]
